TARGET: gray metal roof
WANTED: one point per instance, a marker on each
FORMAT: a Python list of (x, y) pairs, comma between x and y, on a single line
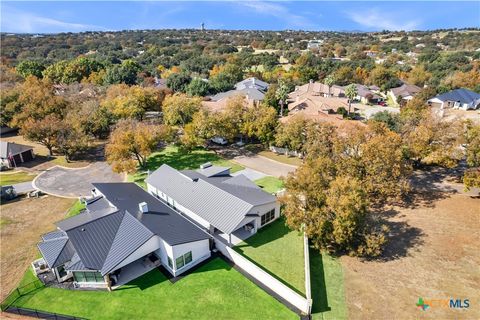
[(214, 171), (222, 204), (14, 148), (160, 218), (130, 236), (54, 235), (56, 251), (82, 218), (94, 239), (250, 93), (252, 83), (75, 264), (461, 95)]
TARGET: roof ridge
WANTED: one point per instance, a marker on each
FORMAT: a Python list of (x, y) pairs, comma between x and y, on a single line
[(251, 206), (90, 221)]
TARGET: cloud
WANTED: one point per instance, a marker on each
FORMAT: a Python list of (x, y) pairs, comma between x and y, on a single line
[(278, 11), (378, 20), (25, 22)]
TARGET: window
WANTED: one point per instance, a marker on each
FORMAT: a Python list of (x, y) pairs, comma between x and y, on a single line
[(184, 260), (188, 257), (170, 263), (88, 277), (179, 262), (267, 217)]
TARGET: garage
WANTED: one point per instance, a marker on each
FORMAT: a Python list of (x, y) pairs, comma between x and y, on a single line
[(14, 154)]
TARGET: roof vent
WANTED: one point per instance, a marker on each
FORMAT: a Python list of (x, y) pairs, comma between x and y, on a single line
[(143, 207), (206, 165)]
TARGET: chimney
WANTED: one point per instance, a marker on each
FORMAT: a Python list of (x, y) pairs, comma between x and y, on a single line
[(253, 81), (143, 207)]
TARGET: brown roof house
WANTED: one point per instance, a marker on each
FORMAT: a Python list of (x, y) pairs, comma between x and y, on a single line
[(403, 93)]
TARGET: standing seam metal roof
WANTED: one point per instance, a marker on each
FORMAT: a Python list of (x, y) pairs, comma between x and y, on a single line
[(223, 205)]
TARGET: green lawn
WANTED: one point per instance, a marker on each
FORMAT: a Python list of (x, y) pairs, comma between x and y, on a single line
[(181, 160), (214, 291), (328, 292), (7, 178), (270, 184), (279, 251), (75, 209)]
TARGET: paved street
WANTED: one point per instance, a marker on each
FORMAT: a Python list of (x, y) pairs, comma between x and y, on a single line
[(265, 165)]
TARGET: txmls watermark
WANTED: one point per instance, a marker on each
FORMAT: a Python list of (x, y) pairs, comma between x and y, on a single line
[(452, 303)]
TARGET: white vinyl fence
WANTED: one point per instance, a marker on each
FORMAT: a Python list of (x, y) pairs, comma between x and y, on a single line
[(286, 152), (301, 303)]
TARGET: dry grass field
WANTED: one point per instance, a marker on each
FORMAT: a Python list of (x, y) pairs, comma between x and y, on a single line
[(434, 254), (22, 223)]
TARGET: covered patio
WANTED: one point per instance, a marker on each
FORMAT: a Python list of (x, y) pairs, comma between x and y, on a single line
[(135, 269), (238, 235)]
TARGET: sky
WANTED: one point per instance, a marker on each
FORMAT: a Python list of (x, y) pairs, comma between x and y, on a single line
[(71, 16)]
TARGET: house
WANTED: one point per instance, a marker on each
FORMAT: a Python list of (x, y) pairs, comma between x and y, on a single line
[(14, 154), (253, 89), (314, 44), (457, 99), (123, 233), (404, 93), (231, 207), (318, 89), (367, 94)]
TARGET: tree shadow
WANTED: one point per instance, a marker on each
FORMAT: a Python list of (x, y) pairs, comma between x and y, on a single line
[(401, 237)]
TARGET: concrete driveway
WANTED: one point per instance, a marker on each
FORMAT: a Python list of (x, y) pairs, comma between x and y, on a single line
[(73, 183), (265, 165), (250, 174)]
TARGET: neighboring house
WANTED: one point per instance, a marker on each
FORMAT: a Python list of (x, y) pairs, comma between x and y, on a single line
[(312, 105), (14, 154), (124, 233), (314, 44), (317, 89), (405, 92), (457, 99), (231, 207), (367, 94), (253, 89)]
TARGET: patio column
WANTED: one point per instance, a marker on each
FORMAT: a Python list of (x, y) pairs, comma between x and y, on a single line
[(108, 282), (230, 239)]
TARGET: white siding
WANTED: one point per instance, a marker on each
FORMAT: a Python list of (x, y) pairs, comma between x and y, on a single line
[(148, 247), (261, 210), (200, 251)]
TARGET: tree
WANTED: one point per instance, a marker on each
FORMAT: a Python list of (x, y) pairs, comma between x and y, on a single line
[(178, 82), (351, 92), (179, 109), (392, 120), (198, 87), (199, 130), (70, 139), (35, 100), (329, 81), (384, 78), (419, 76), (30, 68), (260, 122), (131, 102), (132, 142), (44, 131), (292, 134), (471, 178), (126, 72), (282, 94)]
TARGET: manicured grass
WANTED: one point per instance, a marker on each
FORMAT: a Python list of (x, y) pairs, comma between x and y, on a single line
[(181, 160), (28, 277), (328, 292), (75, 209), (9, 178), (279, 251), (294, 161), (214, 291), (270, 184)]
